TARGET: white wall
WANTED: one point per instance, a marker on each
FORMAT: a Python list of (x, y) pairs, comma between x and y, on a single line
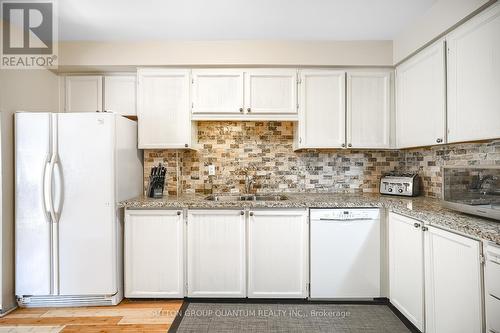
[(230, 53), (27, 90), (443, 15)]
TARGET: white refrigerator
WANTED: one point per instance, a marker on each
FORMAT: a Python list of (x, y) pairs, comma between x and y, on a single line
[(71, 171)]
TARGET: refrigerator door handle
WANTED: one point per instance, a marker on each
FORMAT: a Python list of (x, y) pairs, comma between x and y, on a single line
[(50, 200), (60, 189), (45, 203)]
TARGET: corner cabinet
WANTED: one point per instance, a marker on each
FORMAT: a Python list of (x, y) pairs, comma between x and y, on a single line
[(453, 283), (278, 253), (163, 108), (154, 254), (406, 268), (474, 78), (421, 99), (216, 247)]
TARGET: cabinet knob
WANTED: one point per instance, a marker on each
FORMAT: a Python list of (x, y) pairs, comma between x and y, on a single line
[(178, 213), (242, 213), (241, 109), (251, 214), (425, 228), (349, 145), (343, 145), (416, 225), (186, 145), (249, 109), (439, 140)]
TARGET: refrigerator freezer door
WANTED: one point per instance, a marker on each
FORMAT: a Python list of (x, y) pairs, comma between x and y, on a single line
[(33, 226), (87, 249)]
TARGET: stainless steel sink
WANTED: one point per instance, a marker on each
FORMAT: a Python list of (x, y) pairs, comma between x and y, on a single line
[(263, 197)]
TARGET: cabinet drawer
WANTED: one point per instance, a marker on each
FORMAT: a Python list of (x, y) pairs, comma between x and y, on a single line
[(493, 278), (492, 317), (492, 274)]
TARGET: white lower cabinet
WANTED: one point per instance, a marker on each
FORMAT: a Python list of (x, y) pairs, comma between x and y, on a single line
[(406, 268), (216, 253), (277, 253), (154, 254), (449, 267), (453, 283)]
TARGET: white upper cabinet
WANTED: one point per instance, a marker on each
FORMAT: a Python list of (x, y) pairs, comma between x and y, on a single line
[(271, 92), (120, 94), (368, 110), (163, 108), (474, 78), (217, 93), (322, 109), (420, 99), (278, 253), (154, 253), (83, 93), (216, 248), (406, 268), (453, 283)]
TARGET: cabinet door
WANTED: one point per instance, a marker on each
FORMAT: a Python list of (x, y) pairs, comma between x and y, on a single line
[(368, 110), (217, 94), (474, 78), (420, 99), (452, 283), (163, 108), (277, 254), (322, 109), (83, 93), (406, 268), (120, 94), (154, 243), (216, 253), (271, 91)]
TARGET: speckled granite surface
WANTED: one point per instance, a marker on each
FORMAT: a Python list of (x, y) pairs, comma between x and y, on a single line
[(425, 209)]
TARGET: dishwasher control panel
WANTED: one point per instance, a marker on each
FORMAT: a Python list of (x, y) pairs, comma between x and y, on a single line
[(341, 214)]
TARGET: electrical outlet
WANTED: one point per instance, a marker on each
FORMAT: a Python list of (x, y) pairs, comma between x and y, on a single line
[(211, 170)]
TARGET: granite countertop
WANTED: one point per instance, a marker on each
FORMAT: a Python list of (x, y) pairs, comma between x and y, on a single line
[(425, 209)]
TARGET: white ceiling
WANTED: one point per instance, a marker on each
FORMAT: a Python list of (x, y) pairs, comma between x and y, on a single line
[(236, 19)]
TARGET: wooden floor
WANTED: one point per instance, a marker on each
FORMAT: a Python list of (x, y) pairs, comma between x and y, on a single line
[(129, 316)]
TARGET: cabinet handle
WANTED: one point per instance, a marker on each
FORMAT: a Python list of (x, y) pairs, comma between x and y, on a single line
[(349, 145), (251, 214), (242, 213), (178, 213), (186, 145), (241, 109), (249, 109), (425, 228), (416, 225), (343, 145), (439, 140)]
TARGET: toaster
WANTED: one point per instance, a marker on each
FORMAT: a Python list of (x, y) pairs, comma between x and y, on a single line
[(404, 184)]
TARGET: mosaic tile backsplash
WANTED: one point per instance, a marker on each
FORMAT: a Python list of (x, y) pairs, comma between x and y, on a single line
[(264, 151)]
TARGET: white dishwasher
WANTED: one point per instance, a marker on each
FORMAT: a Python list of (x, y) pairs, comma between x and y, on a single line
[(345, 253)]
